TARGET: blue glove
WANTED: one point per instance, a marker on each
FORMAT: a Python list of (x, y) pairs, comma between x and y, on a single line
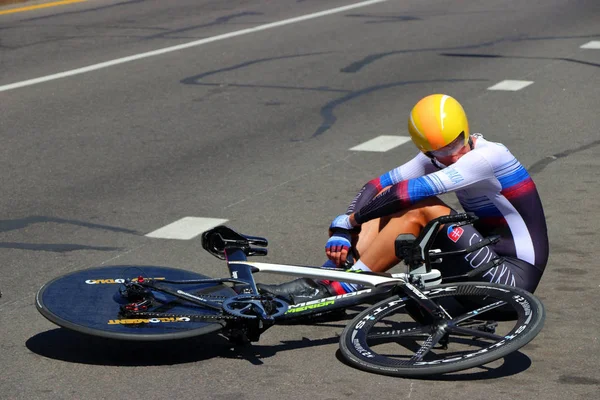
[(340, 234), (340, 238)]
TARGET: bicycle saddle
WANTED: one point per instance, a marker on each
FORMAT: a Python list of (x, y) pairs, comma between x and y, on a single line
[(216, 240)]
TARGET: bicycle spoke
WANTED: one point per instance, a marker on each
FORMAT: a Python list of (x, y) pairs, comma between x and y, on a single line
[(428, 345), (474, 332), (478, 312), (416, 332)]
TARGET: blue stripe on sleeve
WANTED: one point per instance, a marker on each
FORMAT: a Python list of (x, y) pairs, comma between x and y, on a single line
[(419, 189), (435, 182), (386, 180), (518, 175)]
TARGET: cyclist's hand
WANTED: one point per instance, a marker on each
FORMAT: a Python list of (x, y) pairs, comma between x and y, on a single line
[(338, 245)]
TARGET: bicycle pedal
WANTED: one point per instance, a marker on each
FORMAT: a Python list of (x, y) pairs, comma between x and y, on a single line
[(443, 343), (243, 289)]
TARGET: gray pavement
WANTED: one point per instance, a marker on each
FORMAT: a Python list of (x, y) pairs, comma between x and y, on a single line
[(256, 129), (13, 3)]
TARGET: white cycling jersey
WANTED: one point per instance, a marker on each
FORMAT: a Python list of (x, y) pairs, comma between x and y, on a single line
[(488, 181)]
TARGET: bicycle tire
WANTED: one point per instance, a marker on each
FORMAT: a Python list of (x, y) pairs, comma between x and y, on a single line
[(360, 339), (88, 301)]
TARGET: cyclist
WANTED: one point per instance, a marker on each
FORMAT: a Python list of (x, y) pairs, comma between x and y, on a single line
[(487, 179)]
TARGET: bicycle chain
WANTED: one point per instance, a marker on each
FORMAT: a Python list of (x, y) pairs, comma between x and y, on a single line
[(150, 314)]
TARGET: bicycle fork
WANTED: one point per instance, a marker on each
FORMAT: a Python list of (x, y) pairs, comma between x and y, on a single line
[(434, 312)]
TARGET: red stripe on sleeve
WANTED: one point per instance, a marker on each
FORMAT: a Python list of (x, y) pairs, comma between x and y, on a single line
[(520, 189)]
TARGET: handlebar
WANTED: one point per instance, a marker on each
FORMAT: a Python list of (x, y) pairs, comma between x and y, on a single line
[(460, 219)]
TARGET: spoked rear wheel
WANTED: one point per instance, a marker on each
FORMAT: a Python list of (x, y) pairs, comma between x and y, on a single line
[(486, 322)]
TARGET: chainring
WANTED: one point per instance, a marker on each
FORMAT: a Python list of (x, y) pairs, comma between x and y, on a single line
[(252, 306)]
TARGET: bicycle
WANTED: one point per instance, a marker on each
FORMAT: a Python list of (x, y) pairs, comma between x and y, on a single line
[(411, 312)]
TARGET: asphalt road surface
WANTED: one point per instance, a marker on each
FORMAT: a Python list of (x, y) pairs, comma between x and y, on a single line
[(121, 117)]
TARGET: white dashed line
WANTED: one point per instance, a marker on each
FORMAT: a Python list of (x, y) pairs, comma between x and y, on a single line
[(510, 85), (186, 228), (382, 143), (594, 44)]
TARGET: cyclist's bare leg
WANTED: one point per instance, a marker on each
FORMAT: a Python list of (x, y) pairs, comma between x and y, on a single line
[(375, 243)]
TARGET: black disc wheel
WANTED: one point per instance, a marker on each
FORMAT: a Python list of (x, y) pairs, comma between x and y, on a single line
[(90, 302), (483, 323)]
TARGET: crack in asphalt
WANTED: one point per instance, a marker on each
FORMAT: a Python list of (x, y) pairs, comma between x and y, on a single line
[(55, 248), (543, 163), (358, 65), (573, 60), (218, 21), (193, 80)]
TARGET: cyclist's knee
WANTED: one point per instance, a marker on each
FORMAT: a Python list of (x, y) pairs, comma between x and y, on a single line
[(431, 202), (416, 215), (426, 210)]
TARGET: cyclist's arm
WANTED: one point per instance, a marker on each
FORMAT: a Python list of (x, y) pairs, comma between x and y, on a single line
[(418, 166), (469, 169)]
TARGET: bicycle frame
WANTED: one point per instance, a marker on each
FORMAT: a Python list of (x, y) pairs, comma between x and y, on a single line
[(224, 243), (227, 244), (377, 286)]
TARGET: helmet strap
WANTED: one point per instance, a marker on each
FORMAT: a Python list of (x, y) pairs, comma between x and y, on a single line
[(434, 161)]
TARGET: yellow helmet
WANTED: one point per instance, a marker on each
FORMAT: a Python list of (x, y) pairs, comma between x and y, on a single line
[(436, 121)]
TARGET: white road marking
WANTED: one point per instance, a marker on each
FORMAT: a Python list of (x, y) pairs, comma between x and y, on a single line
[(382, 143), (594, 44), (510, 85), (186, 228), (186, 45)]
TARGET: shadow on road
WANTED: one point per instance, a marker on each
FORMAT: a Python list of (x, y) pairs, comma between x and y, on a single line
[(513, 364), (255, 353), (62, 344), (8, 225)]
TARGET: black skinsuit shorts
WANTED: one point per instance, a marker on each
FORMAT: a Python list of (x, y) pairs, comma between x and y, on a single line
[(512, 271)]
